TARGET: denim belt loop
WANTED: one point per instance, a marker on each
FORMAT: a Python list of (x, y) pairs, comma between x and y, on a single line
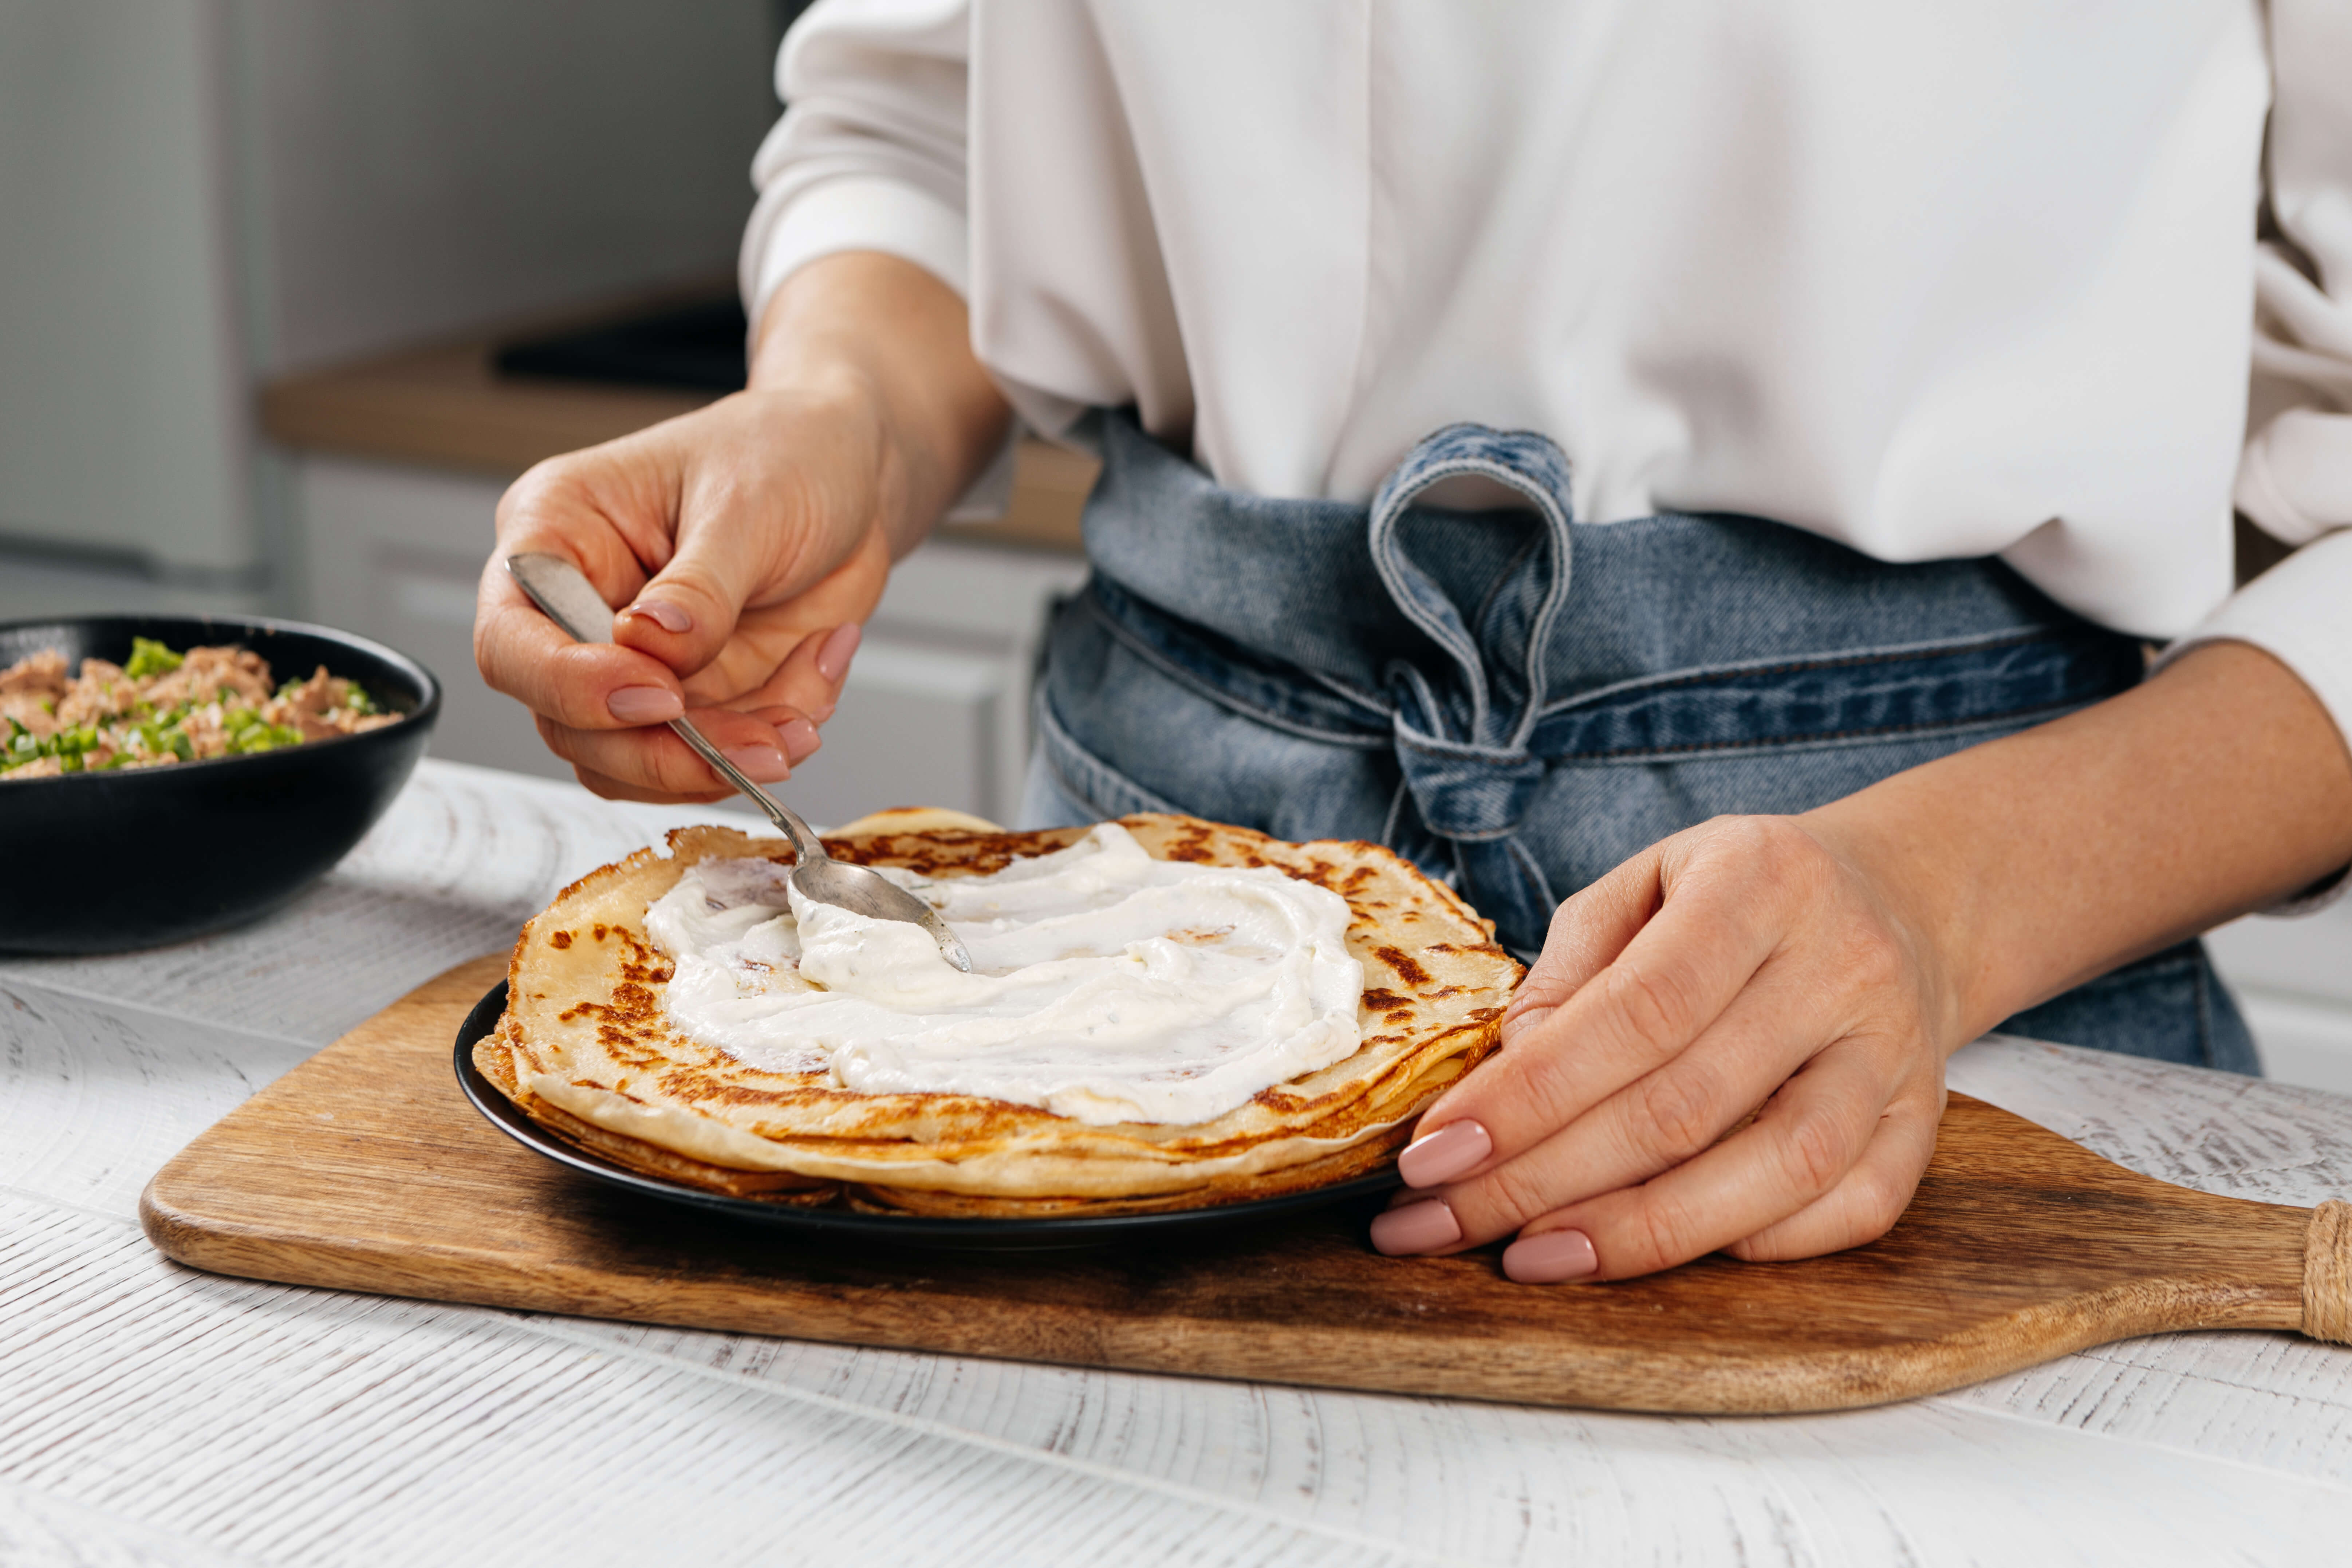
[(1461, 733)]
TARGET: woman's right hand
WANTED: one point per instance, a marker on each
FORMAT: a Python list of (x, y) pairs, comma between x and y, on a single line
[(743, 540), (745, 543)]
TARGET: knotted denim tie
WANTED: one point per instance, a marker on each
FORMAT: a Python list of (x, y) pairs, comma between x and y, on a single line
[(1464, 718), (1417, 674)]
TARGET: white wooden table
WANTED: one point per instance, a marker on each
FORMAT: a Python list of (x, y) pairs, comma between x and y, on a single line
[(152, 1415)]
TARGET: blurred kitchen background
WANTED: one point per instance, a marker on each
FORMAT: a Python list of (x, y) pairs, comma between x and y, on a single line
[(290, 289)]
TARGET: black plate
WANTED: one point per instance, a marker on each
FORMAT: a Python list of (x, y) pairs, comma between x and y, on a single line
[(101, 862), (921, 1231)]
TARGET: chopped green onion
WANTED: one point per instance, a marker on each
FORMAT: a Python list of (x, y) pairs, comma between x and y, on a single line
[(148, 657), (260, 737), (139, 732)]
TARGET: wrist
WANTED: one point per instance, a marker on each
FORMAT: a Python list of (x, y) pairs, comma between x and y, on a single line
[(883, 334), (1926, 896), (2024, 866)]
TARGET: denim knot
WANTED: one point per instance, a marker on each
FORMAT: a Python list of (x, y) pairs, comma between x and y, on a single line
[(1465, 711), (1246, 658), (1462, 792)]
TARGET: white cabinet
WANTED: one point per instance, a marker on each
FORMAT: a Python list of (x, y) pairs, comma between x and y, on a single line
[(937, 707)]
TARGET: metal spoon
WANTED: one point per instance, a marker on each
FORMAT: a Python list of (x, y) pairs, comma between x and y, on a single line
[(568, 600)]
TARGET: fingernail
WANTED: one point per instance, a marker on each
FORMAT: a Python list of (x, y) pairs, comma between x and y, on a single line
[(644, 705), (1435, 1158), (1424, 1226), (762, 765), (1551, 1257), (833, 659), (662, 612), (799, 738)]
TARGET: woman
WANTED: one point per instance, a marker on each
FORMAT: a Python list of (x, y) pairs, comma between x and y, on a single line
[(1445, 364)]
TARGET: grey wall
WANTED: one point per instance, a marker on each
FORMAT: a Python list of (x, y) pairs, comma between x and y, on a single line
[(422, 167), (198, 194), (122, 414)]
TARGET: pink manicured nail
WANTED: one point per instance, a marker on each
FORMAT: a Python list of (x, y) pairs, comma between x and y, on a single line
[(833, 659), (644, 705), (1435, 1158), (1551, 1257), (799, 738), (762, 765), (1424, 1226), (662, 612)]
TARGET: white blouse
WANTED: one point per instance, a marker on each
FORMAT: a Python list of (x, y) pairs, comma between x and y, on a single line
[(1930, 279)]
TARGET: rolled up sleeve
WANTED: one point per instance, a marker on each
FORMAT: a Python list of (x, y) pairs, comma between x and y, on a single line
[(2295, 480), (2299, 611), (870, 154)]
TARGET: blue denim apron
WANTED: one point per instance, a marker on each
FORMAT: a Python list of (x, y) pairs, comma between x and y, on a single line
[(1518, 701)]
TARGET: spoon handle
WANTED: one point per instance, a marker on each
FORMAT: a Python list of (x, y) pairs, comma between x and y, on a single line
[(567, 598), (806, 847)]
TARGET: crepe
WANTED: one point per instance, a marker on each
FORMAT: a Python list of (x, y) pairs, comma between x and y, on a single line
[(586, 1049)]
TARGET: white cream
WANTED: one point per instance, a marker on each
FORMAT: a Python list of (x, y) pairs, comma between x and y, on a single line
[(1105, 985)]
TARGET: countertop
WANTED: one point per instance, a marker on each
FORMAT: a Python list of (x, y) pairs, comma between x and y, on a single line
[(152, 1415), (445, 406)]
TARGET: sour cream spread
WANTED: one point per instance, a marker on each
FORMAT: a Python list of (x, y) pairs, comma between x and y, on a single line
[(1105, 985)]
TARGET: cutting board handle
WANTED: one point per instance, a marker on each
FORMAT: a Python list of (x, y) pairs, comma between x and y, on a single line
[(2328, 1273)]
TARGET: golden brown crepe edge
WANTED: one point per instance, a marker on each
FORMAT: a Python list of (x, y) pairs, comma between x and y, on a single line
[(1366, 1145), (829, 1121)]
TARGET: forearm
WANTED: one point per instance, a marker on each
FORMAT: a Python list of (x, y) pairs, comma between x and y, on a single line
[(2035, 862), (883, 332)]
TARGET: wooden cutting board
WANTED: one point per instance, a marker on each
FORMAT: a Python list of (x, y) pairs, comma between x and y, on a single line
[(364, 1168)]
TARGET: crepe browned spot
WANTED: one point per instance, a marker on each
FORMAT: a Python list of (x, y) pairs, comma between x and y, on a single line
[(587, 1048)]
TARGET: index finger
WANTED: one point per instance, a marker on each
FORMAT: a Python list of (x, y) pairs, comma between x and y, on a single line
[(1691, 943), (584, 685), (1801, 1146)]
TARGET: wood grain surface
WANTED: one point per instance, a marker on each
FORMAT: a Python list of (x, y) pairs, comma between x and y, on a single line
[(364, 1168)]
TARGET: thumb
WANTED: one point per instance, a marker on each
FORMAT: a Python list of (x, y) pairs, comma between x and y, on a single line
[(687, 611)]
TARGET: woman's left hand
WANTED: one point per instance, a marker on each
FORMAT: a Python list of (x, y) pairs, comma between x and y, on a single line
[(1815, 971), (1732, 1041)]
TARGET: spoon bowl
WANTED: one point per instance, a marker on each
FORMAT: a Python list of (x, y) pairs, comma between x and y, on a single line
[(566, 597), (867, 893)]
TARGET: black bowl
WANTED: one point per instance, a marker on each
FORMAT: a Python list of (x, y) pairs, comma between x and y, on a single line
[(98, 862)]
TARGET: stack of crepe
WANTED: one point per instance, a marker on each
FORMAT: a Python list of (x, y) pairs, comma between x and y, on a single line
[(586, 1049)]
